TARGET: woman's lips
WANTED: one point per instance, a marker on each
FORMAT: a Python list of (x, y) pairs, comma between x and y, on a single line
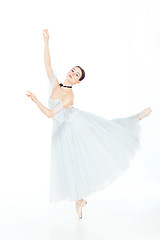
[(70, 76)]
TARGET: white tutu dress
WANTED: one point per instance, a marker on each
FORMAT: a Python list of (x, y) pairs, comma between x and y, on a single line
[(88, 152)]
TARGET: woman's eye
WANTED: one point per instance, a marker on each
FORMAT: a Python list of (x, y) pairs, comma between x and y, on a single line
[(72, 71), (77, 75)]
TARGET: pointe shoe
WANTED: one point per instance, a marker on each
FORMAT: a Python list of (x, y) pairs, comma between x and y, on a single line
[(144, 113), (79, 207)]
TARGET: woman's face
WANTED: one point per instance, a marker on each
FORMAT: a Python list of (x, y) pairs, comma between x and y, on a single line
[(74, 75)]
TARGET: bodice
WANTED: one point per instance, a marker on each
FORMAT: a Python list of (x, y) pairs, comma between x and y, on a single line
[(65, 115)]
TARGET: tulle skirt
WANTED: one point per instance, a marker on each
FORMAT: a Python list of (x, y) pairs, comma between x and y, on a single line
[(89, 152)]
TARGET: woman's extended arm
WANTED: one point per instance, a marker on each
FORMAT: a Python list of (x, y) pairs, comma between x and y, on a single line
[(58, 108), (51, 112), (45, 110)]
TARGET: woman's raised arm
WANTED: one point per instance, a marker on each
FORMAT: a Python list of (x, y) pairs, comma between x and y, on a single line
[(47, 61)]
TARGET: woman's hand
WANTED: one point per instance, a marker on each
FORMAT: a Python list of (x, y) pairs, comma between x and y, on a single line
[(46, 111), (32, 96), (46, 37)]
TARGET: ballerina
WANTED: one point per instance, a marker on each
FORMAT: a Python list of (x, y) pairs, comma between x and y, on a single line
[(88, 152)]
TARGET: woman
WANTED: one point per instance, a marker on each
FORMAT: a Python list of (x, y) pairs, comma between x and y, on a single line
[(88, 152)]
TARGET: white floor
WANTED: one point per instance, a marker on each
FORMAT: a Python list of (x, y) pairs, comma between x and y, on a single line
[(127, 216)]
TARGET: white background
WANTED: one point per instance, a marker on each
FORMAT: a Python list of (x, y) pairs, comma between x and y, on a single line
[(117, 43)]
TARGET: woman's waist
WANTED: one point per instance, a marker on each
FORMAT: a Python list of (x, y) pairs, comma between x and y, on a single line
[(66, 115)]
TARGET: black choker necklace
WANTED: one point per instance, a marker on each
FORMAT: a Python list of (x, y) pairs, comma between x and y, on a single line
[(61, 84)]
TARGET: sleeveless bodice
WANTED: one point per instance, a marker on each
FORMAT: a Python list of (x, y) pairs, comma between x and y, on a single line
[(65, 115)]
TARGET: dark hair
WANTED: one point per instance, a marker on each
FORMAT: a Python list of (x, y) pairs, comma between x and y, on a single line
[(83, 73)]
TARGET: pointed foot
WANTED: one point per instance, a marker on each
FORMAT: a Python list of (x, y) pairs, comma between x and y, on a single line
[(144, 113)]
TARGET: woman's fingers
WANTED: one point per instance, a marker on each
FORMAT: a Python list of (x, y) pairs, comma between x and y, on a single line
[(32, 96), (46, 32), (29, 95)]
